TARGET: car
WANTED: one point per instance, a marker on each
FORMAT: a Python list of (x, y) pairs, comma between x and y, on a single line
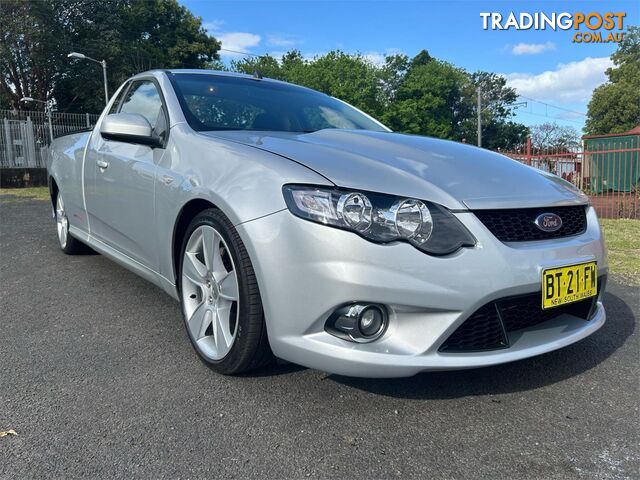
[(291, 225)]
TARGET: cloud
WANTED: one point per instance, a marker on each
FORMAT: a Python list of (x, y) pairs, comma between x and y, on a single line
[(310, 56), (569, 83), (378, 58), (283, 40), (532, 48), (238, 42), (213, 26), (570, 115)]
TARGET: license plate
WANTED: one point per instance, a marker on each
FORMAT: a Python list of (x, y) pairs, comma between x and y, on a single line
[(569, 284)]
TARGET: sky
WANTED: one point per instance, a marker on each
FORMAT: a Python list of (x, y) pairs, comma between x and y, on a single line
[(556, 76)]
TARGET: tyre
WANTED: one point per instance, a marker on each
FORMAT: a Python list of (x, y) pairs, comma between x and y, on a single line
[(220, 299), (68, 244)]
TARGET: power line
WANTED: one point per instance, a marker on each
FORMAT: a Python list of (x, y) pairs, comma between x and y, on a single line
[(552, 118), (243, 53), (240, 52), (553, 106)]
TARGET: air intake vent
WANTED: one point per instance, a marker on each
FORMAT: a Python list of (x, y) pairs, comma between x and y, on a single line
[(488, 327)]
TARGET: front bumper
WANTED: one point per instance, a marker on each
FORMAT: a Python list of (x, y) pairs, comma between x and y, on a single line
[(306, 270)]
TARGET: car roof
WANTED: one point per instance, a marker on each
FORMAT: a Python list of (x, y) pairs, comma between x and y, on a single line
[(208, 72), (219, 73)]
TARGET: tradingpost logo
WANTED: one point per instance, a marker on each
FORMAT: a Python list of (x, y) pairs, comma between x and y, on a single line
[(590, 27)]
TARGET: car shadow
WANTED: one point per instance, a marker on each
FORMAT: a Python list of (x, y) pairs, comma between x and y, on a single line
[(518, 376), (280, 367)]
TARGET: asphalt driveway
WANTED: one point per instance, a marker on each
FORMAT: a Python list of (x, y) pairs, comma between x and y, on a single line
[(98, 379)]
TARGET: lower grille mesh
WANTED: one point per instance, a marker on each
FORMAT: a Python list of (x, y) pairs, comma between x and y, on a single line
[(524, 312), (488, 327), (482, 331)]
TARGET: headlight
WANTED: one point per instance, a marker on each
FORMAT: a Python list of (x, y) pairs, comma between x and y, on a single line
[(381, 218)]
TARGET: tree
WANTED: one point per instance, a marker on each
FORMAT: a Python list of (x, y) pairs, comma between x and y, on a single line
[(265, 65), (31, 36), (551, 136), (391, 75), (421, 58), (502, 135), (421, 95), (131, 35), (615, 106), (348, 77), (292, 64), (498, 131), (428, 101)]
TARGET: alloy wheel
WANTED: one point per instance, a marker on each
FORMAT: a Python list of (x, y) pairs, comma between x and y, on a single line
[(209, 292), (62, 222)]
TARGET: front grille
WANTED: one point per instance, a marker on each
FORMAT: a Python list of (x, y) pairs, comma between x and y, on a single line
[(517, 225), (488, 327)]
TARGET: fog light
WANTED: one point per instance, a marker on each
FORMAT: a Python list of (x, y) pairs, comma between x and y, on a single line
[(371, 321), (359, 322)]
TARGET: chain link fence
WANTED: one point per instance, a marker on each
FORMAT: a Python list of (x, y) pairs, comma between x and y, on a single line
[(25, 135)]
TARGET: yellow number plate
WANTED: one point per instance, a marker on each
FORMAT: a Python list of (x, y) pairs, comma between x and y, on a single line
[(570, 284)]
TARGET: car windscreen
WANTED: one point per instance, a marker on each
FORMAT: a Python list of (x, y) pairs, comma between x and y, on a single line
[(217, 102)]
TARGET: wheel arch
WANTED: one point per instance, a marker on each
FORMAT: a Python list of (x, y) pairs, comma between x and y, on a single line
[(53, 190), (187, 213)]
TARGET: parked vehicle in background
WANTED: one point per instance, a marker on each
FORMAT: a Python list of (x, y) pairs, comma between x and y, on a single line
[(289, 223)]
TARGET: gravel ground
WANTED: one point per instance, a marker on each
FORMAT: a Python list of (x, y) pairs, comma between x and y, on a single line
[(98, 379)]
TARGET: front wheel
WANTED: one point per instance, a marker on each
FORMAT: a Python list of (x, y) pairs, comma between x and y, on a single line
[(220, 298)]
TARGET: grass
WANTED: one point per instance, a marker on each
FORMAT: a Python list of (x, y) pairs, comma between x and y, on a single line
[(622, 236), (21, 194), (623, 244)]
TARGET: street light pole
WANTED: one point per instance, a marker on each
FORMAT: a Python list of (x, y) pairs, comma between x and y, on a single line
[(50, 121), (104, 70), (104, 75), (479, 108), (47, 110)]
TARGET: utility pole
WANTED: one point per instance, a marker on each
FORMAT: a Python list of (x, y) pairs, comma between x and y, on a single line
[(479, 108)]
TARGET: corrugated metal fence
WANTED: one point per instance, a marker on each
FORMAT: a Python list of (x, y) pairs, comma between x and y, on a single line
[(25, 135)]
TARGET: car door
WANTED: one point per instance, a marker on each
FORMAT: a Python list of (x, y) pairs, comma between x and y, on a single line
[(121, 196)]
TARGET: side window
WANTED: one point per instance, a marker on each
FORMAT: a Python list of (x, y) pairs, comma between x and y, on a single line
[(116, 105), (143, 98)]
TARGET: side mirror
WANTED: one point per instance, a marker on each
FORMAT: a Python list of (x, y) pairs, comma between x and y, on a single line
[(130, 128)]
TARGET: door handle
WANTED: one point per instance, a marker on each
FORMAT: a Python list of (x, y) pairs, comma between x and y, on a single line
[(102, 164), (167, 179)]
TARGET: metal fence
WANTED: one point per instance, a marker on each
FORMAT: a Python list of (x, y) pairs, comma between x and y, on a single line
[(25, 135), (609, 176)]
